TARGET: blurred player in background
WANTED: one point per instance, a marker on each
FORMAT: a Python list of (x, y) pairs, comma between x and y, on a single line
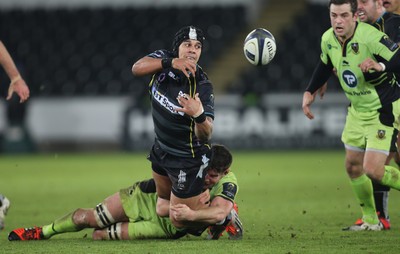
[(365, 70), (372, 12), (18, 86), (183, 111), (392, 6), (131, 213)]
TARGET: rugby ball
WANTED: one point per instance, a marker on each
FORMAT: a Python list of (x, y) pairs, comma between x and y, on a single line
[(259, 47)]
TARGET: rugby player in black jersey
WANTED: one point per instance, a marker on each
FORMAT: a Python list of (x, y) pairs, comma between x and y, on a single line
[(182, 102)]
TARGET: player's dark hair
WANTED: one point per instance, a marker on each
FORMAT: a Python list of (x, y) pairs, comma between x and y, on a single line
[(221, 158), (186, 33), (353, 4)]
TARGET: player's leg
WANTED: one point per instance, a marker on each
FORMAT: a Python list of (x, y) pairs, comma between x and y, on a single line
[(136, 230), (163, 188), (117, 231), (187, 187), (105, 214), (381, 192), (4, 206), (354, 137), (381, 197), (362, 187), (161, 179)]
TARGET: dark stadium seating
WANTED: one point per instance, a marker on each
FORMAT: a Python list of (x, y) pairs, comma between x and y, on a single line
[(90, 52), (298, 49)]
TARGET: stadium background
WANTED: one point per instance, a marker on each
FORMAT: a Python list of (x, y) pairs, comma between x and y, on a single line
[(76, 56)]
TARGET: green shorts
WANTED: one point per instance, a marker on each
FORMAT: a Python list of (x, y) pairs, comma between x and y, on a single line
[(140, 207), (373, 130)]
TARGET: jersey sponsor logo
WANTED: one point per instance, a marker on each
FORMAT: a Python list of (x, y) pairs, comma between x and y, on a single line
[(164, 102), (355, 47), (349, 78), (360, 93), (391, 45), (172, 75), (229, 190), (381, 134)]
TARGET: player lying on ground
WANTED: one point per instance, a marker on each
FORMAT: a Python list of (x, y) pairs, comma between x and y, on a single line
[(131, 212)]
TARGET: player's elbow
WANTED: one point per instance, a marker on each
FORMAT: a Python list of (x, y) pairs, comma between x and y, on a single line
[(136, 69)]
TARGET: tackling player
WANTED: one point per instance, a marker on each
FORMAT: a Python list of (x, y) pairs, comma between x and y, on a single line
[(131, 213)]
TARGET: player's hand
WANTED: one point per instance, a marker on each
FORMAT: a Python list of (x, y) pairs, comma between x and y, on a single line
[(308, 99), (181, 212), (18, 86), (369, 64), (204, 198), (321, 91), (190, 106), (185, 65)]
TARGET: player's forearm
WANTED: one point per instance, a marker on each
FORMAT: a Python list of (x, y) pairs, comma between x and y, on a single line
[(8, 64), (209, 215), (146, 65), (204, 129), (320, 76)]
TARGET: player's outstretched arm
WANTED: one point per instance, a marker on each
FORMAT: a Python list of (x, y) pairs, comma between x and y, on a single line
[(308, 99), (17, 84)]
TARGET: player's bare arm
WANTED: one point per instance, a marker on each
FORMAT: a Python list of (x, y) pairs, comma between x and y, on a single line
[(146, 66), (215, 213), (17, 84), (149, 65), (308, 99)]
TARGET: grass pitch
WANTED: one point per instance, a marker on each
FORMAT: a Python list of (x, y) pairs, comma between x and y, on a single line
[(289, 202)]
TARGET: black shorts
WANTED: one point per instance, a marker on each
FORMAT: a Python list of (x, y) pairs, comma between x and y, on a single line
[(186, 174)]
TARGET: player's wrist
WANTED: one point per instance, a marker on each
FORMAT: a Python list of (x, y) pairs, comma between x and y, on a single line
[(166, 62), (383, 66), (199, 116), (15, 79)]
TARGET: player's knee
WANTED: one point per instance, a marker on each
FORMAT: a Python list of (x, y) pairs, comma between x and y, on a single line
[(99, 234), (353, 170), (81, 217)]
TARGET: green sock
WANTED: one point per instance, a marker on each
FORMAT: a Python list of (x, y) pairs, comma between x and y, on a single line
[(391, 177), (61, 225), (362, 187)]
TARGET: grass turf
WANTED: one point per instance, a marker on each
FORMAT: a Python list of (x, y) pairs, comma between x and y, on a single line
[(289, 202)]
